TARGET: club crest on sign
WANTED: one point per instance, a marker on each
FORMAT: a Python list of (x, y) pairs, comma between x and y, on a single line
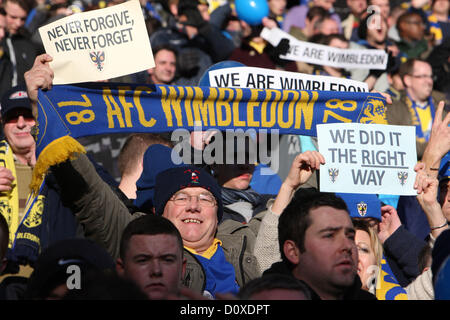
[(98, 58), (333, 173), (402, 177)]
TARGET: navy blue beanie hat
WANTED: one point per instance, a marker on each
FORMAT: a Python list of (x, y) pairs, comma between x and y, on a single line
[(157, 158), (172, 180), (362, 205)]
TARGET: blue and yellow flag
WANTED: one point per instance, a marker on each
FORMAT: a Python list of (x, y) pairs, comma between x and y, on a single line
[(67, 112), (388, 287)]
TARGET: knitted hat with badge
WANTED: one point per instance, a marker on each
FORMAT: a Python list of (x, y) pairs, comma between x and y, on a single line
[(14, 98), (172, 180), (362, 205)]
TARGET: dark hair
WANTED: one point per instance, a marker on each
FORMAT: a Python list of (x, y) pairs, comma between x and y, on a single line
[(424, 257), (326, 39), (406, 15), (317, 12), (295, 219), (26, 5), (364, 25), (4, 236), (165, 46), (148, 225), (270, 282), (407, 67)]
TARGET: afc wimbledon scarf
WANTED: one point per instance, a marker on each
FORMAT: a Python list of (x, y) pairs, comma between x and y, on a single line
[(68, 112), (422, 117), (9, 201)]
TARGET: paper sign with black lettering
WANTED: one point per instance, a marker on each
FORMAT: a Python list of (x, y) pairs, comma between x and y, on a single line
[(99, 44), (260, 78), (363, 158), (325, 55)]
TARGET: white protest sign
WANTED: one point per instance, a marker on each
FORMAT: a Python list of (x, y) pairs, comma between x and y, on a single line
[(99, 44), (325, 55), (260, 78), (367, 158)]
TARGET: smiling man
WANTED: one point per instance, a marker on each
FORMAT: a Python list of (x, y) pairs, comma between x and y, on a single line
[(165, 65), (220, 256), (418, 102), (18, 153)]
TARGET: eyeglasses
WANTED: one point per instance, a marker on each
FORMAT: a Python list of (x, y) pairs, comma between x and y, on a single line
[(419, 23), (422, 76), (182, 199)]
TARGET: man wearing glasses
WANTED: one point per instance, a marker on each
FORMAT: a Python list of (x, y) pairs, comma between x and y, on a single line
[(418, 102)]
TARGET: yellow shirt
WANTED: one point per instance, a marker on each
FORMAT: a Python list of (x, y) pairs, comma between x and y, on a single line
[(209, 252)]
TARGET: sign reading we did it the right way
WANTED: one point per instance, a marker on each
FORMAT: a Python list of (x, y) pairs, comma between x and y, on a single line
[(367, 158)]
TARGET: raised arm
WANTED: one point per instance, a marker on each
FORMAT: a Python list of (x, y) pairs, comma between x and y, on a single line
[(427, 191), (302, 169), (266, 248), (439, 143), (100, 211)]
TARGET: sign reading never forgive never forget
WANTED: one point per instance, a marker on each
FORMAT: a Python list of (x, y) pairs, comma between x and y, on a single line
[(99, 44)]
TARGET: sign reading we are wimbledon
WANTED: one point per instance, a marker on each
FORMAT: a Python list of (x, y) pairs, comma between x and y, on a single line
[(260, 78), (364, 158), (99, 44), (326, 55)]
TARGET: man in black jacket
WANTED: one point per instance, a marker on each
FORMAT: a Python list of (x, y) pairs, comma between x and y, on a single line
[(317, 244), (18, 52)]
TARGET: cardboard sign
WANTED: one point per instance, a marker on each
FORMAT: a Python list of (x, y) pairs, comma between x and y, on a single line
[(363, 158), (260, 78), (325, 55), (98, 45)]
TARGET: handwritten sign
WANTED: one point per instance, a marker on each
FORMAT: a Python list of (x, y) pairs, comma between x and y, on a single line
[(99, 44), (260, 78), (367, 158), (325, 55)]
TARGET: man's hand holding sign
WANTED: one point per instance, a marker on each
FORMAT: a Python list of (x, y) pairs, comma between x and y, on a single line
[(95, 45)]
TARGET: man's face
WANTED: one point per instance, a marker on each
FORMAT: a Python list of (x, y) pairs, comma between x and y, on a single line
[(204, 11), (17, 127), (384, 7), (413, 28), (377, 31), (329, 261), (277, 6), (154, 263), (357, 7), (329, 26), (15, 17), (165, 67), (441, 6), (235, 176), (419, 83), (444, 197), (196, 222), (2, 26)]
